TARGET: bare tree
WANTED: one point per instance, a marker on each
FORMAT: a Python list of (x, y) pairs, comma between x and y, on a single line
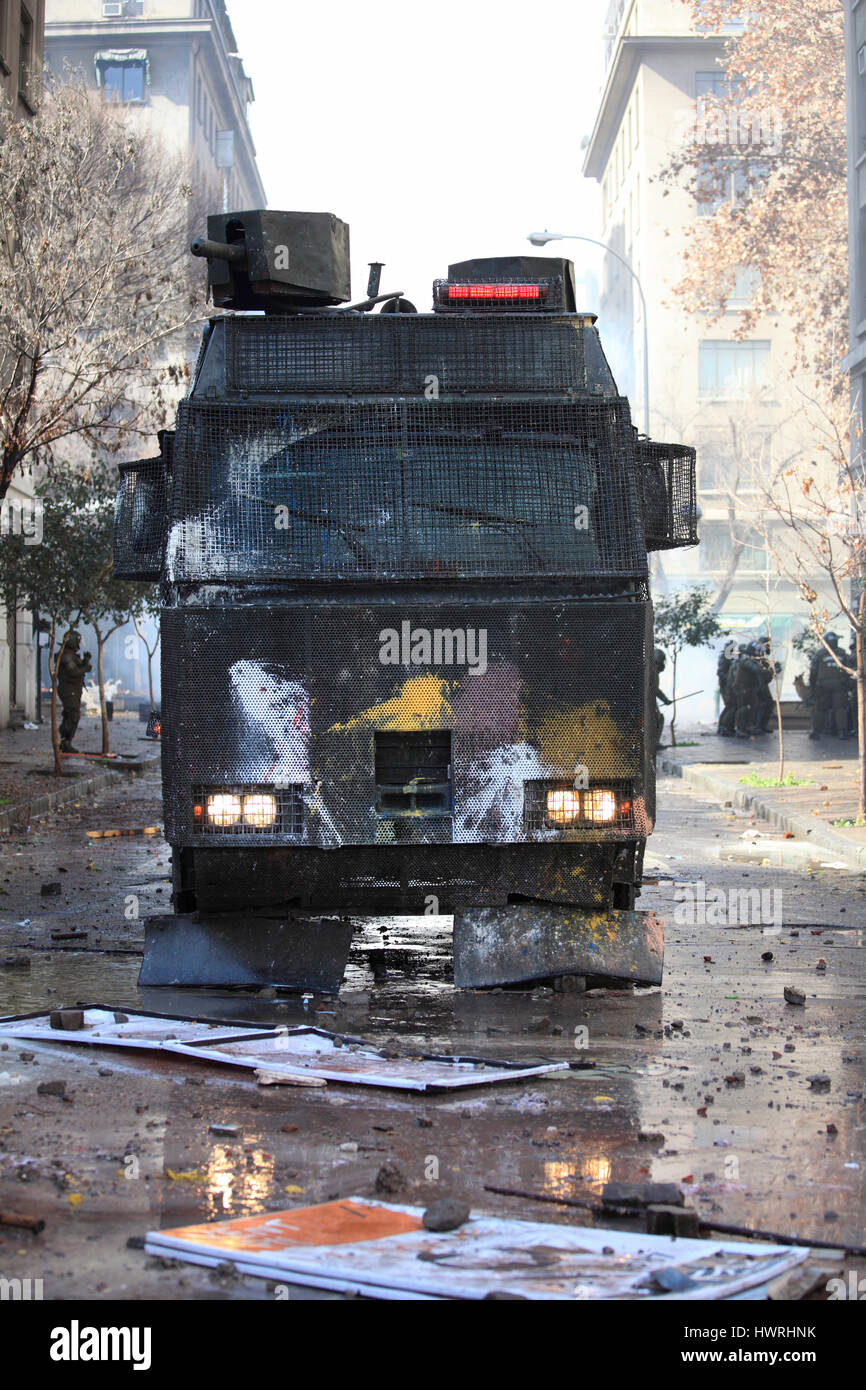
[(97, 296)]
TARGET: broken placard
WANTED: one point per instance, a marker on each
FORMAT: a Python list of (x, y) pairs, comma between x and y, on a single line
[(308, 1051), (382, 1250)]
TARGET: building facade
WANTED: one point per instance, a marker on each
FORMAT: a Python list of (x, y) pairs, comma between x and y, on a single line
[(855, 76), (176, 63), (728, 397), (22, 31)]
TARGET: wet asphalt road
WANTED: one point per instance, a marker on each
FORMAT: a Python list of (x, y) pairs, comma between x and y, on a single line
[(755, 1152)]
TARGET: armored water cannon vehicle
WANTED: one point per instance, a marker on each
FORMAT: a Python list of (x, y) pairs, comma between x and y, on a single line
[(406, 621)]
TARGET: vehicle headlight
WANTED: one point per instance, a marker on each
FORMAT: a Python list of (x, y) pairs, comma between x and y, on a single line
[(599, 806), (224, 809), (260, 810), (563, 807)]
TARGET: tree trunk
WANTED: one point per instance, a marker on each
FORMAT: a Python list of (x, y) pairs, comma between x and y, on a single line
[(861, 709), (100, 644), (674, 698), (150, 656)]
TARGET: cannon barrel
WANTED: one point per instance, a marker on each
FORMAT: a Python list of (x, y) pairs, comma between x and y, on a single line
[(218, 250)]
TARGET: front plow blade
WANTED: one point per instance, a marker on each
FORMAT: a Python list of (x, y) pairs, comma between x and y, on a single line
[(231, 949), (507, 945)]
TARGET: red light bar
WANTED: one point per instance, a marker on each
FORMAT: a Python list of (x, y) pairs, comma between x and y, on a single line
[(534, 292)]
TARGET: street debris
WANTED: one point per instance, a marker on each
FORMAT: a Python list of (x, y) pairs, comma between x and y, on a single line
[(446, 1215), (22, 1223), (303, 1055), (794, 995), (121, 834), (384, 1251)]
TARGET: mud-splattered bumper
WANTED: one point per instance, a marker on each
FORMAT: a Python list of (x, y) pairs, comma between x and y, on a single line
[(508, 945)]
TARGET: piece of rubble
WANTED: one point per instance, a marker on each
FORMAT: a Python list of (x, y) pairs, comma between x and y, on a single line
[(819, 1082), (51, 1088), (389, 1180), (231, 1131), (50, 890), (794, 995), (446, 1214), (69, 1020), (641, 1194)]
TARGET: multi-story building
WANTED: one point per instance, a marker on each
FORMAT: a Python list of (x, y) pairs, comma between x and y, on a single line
[(176, 63), (855, 363), (708, 387), (22, 29)]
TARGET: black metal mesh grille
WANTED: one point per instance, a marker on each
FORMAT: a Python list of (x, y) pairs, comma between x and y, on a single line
[(316, 697), (404, 490), (668, 479), (140, 511), (405, 353)]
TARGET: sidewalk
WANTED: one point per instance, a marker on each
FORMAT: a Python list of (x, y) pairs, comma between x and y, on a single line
[(810, 812), (28, 787)]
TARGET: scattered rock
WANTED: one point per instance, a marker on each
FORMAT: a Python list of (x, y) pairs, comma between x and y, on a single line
[(121, 1018), (819, 1082), (650, 1136), (389, 1180), (70, 1020), (50, 890), (51, 1088), (794, 995), (231, 1131), (767, 955), (445, 1215), (736, 1078), (831, 1129), (641, 1194), (540, 1024)]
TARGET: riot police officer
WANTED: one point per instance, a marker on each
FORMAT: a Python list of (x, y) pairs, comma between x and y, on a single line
[(70, 683), (769, 670), (660, 661), (724, 671), (828, 685), (748, 683)]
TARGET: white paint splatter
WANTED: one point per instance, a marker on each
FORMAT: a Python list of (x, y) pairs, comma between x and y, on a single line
[(493, 807), (277, 712)]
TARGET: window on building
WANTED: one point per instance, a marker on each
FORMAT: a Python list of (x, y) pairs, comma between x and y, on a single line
[(123, 82), (25, 53), (728, 182), (729, 369), (123, 74), (746, 282), (734, 463)]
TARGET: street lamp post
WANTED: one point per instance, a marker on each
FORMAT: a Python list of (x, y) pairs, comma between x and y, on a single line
[(542, 238)]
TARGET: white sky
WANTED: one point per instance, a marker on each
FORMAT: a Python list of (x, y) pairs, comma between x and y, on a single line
[(437, 131)]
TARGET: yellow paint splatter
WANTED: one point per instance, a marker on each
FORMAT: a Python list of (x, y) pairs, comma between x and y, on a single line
[(422, 704), (293, 1189), (74, 1199), (603, 1098), (589, 734), (192, 1176)]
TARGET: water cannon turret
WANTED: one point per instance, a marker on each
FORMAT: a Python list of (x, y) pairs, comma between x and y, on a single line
[(277, 261)]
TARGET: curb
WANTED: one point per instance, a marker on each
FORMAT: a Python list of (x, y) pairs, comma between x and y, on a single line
[(25, 812), (803, 829)]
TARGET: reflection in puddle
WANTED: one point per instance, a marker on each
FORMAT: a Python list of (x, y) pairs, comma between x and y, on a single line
[(237, 1182)]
